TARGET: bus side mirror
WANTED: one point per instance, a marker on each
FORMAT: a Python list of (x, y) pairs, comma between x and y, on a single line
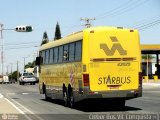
[(38, 61)]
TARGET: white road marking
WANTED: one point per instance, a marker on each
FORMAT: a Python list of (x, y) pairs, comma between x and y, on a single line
[(1, 96), (29, 93), (19, 110), (23, 93), (152, 92), (23, 110), (11, 93), (151, 84), (15, 106)]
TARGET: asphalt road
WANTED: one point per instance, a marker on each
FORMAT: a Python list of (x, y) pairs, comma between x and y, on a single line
[(25, 102)]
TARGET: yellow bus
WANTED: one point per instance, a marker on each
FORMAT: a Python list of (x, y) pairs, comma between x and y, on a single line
[(101, 63)]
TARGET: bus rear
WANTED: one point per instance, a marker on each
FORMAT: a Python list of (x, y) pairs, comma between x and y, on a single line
[(111, 63)]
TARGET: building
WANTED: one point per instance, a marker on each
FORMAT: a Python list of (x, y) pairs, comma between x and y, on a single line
[(150, 61)]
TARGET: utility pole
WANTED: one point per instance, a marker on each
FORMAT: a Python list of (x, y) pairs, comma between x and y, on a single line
[(7, 70), (11, 70), (24, 62), (34, 59), (23, 28), (87, 20), (1, 26), (17, 70)]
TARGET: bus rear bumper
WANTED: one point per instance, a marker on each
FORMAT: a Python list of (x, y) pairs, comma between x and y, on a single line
[(129, 94)]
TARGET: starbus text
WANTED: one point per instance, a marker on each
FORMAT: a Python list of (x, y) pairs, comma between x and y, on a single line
[(114, 80)]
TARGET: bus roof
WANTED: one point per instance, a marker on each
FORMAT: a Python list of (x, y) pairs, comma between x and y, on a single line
[(76, 36), (70, 38)]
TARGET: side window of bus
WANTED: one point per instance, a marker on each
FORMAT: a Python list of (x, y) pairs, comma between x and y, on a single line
[(46, 56), (55, 55), (65, 53), (71, 51), (43, 56), (60, 55), (51, 56), (78, 50)]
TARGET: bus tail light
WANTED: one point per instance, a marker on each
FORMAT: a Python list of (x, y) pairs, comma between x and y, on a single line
[(86, 79)]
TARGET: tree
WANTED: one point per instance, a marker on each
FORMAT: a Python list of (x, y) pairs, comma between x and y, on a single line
[(29, 65), (13, 76), (149, 56), (57, 32), (45, 38)]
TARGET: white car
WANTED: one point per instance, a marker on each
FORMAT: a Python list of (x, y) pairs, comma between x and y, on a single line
[(27, 78)]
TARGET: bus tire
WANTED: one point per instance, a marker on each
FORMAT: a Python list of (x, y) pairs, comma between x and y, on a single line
[(43, 89), (65, 96), (45, 93), (70, 97)]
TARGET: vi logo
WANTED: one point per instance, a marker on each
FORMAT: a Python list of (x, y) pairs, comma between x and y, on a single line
[(116, 46)]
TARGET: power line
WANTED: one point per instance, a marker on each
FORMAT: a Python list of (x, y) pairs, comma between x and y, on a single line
[(131, 5), (112, 10), (148, 23), (21, 47), (145, 21), (24, 43), (66, 32)]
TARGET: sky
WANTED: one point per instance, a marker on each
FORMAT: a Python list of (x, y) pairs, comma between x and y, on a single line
[(43, 15)]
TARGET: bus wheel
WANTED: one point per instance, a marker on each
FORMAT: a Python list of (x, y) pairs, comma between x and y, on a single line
[(71, 98), (45, 93), (46, 97), (65, 98)]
